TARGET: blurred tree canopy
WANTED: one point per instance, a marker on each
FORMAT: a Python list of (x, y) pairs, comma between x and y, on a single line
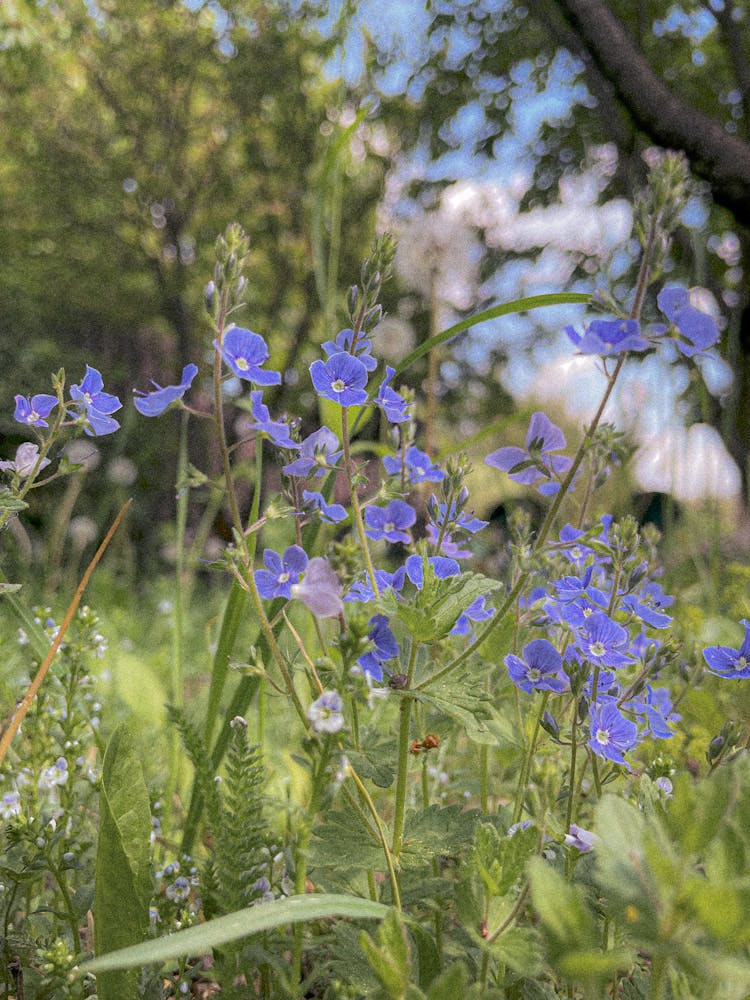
[(673, 74), (132, 134)]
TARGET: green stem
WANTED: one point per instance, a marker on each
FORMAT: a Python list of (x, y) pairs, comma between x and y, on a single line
[(300, 853), (523, 778), (402, 773), (178, 648), (356, 508), (67, 903), (658, 981)]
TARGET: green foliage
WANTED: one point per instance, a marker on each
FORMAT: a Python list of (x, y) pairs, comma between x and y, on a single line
[(123, 877), (243, 833)]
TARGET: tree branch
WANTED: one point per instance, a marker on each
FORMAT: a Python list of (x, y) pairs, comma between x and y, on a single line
[(719, 157)]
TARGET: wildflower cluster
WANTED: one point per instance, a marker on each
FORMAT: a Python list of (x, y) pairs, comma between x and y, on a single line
[(369, 621)]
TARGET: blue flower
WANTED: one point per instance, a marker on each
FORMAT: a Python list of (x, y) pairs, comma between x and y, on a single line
[(277, 430), (317, 452), (441, 567), (612, 734), (607, 337), (362, 349), (539, 669), (441, 515), (647, 614), (386, 647), (342, 379), (390, 523), (281, 572), (537, 462), (584, 841), (152, 404), (325, 713), (448, 547), (655, 704), (733, 664), (244, 352), (419, 466), (391, 403), (94, 405), (476, 612), (362, 591), (331, 513), (604, 642), (696, 330), (34, 411)]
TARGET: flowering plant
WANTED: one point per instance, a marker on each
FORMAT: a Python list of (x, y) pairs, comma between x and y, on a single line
[(394, 677)]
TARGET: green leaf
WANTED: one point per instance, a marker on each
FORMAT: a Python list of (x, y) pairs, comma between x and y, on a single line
[(439, 603), (344, 841), (521, 949), (202, 938), (123, 885), (376, 763), (9, 501), (450, 985), (436, 830), (38, 638), (463, 698), (568, 925), (518, 305), (695, 814), (389, 957)]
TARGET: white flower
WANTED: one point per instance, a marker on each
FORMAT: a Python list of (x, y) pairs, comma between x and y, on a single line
[(27, 455), (320, 589), (325, 713)]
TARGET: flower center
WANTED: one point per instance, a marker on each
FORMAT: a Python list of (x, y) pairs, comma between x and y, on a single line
[(602, 737), (597, 649), (87, 398), (283, 578), (338, 385), (389, 526), (33, 415), (242, 364), (534, 674)]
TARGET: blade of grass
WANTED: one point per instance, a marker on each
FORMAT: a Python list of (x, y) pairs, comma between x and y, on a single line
[(31, 692), (244, 923), (506, 309)]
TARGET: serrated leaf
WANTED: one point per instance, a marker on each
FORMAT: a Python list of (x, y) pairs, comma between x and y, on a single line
[(9, 501), (463, 698), (123, 885), (439, 604), (375, 763), (202, 938), (521, 949), (343, 841), (436, 830)]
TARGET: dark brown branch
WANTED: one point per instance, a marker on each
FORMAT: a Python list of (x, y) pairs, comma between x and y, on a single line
[(720, 158), (732, 32)]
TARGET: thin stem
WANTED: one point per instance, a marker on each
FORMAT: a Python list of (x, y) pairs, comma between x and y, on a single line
[(523, 778), (402, 772), (356, 508), (381, 836)]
